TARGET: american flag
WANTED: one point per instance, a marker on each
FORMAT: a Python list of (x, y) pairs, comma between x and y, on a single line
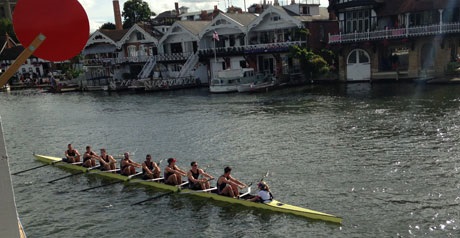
[(215, 36)]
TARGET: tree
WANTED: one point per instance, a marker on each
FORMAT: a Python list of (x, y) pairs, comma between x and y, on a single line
[(135, 11), (108, 26), (6, 26), (312, 65)]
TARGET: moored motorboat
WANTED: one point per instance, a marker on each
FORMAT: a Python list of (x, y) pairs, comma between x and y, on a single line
[(274, 205), (255, 86), (226, 81)]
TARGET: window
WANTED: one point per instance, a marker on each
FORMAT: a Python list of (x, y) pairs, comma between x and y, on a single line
[(275, 18), (363, 57), (305, 10), (358, 21), (140, 36), (352, 58), (243, 64)]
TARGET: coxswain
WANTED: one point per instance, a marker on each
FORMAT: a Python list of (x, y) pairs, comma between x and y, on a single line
[(173, 174), (194, 180), (89, 158), (107, 161), (150, 169), (228, 185), (264, 195), (71, 154), (128, 167)]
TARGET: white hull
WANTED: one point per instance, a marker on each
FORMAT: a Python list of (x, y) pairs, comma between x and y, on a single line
[(251, 87), (222, 88), (226, 81)]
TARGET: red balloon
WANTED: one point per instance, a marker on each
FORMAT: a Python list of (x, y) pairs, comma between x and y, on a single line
[(63, 22)]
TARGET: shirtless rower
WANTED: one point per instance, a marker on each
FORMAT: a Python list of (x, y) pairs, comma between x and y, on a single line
[(71, 154), (194, 180), (228, 185), (150, 169), (89, 158), (128, 167), (173, 174), (107, 161)]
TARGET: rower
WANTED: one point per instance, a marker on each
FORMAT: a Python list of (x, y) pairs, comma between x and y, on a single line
[(173, 174), (71, 154), (89, 158), (150, 169), (228, 185), (107, 161), (264, 195), (128, 167), (193, 178)]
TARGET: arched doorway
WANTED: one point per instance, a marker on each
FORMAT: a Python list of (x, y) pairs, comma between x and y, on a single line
[(358, 66)]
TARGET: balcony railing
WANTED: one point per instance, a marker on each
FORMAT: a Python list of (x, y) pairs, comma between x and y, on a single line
[(397, 33), (235, 50), (250, 49)]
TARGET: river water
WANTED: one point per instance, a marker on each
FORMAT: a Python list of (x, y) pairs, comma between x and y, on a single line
[(385, 157)]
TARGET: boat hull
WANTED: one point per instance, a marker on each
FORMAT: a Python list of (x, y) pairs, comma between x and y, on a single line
[(251, 87), (273, 205), (222, 88)]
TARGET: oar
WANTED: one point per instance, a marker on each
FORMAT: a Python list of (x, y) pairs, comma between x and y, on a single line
[(162, 195), (52, 163), (262, 179), (119, 181), (81, 172)]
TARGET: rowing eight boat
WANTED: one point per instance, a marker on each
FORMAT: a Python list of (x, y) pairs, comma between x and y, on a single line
[(273, 205)]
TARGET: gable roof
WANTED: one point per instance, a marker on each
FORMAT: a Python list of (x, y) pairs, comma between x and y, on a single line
[(12, 53), (274, 10), (242, 18), (148, 37), (6, 42), (114, 35), (194, 27)]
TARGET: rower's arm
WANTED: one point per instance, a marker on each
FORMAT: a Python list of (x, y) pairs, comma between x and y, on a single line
[(136, 164), (112, 160), (206, 174), (180, 171), (156, 167), (237, 182)]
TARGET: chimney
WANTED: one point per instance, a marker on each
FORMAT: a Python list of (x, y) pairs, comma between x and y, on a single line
[(176, 6), (117, 15)]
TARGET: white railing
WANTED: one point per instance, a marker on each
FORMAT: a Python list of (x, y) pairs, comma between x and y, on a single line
[(188, 66), (268, 46), (148, 67), (175, 56), (396, 33)]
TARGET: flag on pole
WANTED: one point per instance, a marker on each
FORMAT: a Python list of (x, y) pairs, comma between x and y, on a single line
[(215, 36)]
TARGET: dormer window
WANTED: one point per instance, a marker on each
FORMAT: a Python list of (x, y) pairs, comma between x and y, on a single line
[(305, 10), (140, 36), (275, 18)]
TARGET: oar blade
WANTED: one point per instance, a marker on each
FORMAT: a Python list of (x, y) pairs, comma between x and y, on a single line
[(101, 186), (153, 198)]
